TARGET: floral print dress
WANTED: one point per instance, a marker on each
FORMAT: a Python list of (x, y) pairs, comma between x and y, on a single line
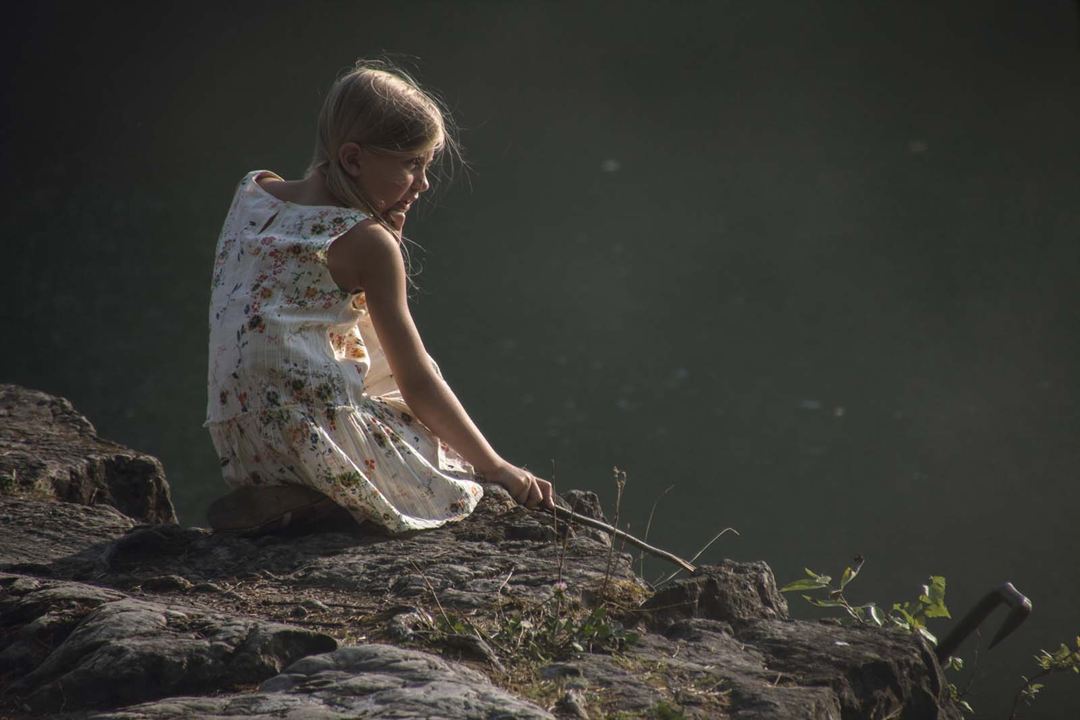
[(299, 388)]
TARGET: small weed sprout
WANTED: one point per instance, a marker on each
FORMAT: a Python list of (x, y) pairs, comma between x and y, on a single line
[(620, 483)]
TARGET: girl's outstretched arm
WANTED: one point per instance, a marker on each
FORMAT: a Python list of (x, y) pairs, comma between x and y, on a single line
[(368, 257)]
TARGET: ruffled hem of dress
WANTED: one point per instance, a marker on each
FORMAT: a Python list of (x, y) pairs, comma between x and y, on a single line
[(366, 458)]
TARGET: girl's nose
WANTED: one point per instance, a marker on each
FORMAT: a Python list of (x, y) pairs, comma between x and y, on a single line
[(422, 183)]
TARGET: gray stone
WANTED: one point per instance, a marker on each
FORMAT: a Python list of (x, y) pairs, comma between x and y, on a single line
[(43, 536), (572, 704), (730, 591), (50, 451), (871, 672), (37, 615), (167, 583), (404, 625), (75, 646), (364, 681), (560, 670)]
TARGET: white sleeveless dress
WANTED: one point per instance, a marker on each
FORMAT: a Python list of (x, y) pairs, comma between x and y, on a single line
[(299, 388)]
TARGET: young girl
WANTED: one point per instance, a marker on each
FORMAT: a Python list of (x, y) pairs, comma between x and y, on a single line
[(318, 376)]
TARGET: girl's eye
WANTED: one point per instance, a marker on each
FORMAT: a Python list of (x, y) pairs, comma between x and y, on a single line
[(417, 163)]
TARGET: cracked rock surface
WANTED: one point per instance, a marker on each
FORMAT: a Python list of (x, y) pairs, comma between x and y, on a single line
[(504, 614), (76, 646), (48, 450), (366, 681)]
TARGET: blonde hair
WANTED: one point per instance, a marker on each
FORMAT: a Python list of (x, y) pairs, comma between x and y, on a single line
[(378, 106)]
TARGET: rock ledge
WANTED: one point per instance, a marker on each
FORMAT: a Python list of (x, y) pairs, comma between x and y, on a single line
[(505, 614)]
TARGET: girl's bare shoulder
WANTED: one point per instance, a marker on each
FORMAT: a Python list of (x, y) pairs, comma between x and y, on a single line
[(368, 236), (276, 185), (304, 193), (367, 249)]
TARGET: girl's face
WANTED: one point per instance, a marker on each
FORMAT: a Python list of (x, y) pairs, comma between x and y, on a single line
[(392, 184)]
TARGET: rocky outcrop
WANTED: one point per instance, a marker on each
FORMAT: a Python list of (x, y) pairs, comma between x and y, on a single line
[(730, 591), (116, 650), (48, 450), (505, 614), (366, 681)]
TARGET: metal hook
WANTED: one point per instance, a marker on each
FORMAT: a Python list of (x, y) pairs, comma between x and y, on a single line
[(1007, 594)]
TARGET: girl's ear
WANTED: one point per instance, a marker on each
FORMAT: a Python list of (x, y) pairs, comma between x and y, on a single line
[(349, 158)]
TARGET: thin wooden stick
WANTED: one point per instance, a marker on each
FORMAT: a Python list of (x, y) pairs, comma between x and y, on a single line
[(570, 515), (715, 538)]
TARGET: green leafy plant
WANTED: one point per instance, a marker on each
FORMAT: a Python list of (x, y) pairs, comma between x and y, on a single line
[(911, 616), (1064, 659), (597, 632)]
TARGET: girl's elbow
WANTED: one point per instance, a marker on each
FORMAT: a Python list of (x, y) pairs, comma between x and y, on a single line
[(417, 385)]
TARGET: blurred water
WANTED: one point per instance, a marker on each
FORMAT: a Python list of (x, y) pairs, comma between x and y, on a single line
[(815, 266)]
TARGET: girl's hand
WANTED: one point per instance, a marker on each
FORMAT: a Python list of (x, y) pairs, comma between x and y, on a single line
[(523, 486), (396, 219)]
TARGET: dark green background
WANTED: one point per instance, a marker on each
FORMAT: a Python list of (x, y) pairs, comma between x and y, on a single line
[(815, 264)]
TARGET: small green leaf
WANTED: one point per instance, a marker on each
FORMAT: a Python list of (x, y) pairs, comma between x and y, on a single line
[(933, 599), (804, 584), (902, 617), (823, 579), (848, 575), (823, 603)]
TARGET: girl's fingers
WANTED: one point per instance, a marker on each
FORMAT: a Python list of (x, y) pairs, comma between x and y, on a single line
[(535, 494), (548, 493), (522, 495)]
